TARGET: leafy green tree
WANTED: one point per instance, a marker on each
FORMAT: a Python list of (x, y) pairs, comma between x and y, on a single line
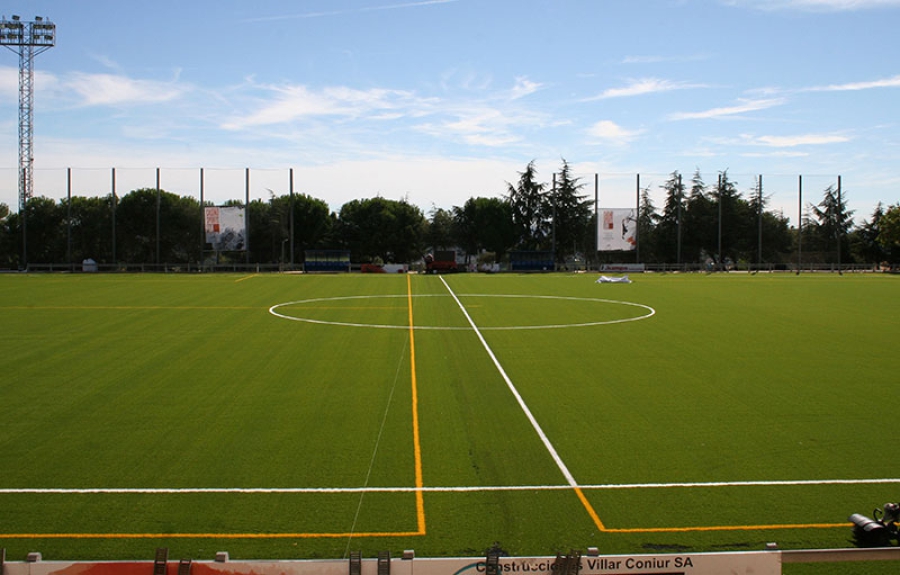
[(440, 229), (392, 231), (889, 233), (777, 237), (46, 230), (484, 224), (136, 226), (530, 214), (267, 228), (90, 228), (699, 230), (6, 239), (648, 219), (572, 213), (732, 221), (667, 229), (181, 222), (178, 219), (833, 222), (313, 223), (270, 227), (864, 246)]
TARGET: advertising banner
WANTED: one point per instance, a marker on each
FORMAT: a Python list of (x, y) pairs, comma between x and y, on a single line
[(616, 230), (225, 228), (747, 563)]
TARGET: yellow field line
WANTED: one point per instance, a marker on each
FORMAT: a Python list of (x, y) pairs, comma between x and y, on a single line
[(204, 535), (729, 528), (354, 308), (590, 509), (417, 448), (246, 278), (126, 307)]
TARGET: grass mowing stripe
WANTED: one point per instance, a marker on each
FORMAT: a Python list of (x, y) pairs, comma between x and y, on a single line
[(534, 423)]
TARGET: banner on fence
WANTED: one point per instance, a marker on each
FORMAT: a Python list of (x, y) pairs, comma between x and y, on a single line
[(616, 230), (225, 229), (738, 563)]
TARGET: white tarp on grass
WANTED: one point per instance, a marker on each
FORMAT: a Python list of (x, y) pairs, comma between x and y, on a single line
[(613, 280)]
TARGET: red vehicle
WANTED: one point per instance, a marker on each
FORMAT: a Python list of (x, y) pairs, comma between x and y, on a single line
[(441, 262)]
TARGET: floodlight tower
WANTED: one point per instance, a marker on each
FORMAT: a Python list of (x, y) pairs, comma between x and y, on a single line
[(28, 39)]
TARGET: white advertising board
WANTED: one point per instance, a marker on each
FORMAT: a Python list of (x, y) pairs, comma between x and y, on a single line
[(225, 228), (746, 563), (616, 230)]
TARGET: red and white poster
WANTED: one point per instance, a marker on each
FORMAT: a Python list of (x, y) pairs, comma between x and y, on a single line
[(617, 230)]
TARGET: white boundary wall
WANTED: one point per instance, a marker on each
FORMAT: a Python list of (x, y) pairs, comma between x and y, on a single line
[(736, 563)]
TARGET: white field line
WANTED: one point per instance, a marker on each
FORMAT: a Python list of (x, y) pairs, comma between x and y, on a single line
[(534, 423), (446, 489), (649, 313)]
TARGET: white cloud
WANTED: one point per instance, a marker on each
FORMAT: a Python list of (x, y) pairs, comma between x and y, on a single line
[(106, 62), (480, 124), (609, 131), (324, 13), (662, 59), (742, 108), (815, 5), (892, 82), (800, 140), (110, 89), (781, 141), (776, 154), (9, 82), (523, 88), (291, 103), (644, 86), (294, 112)]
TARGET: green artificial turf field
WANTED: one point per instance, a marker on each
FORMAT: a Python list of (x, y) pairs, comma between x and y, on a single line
[(300, 416)]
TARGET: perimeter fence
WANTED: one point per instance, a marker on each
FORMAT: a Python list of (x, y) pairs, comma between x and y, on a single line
[(95, 228)]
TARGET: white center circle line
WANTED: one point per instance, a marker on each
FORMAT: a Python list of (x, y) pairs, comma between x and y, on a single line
[(648, 312)]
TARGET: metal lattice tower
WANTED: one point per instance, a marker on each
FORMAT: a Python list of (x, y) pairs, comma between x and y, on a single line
[(28, 39)]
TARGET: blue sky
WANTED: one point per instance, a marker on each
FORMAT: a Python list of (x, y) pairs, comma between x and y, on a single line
[(436, 101)]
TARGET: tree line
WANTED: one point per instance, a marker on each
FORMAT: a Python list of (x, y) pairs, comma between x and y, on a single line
[(699, 223)]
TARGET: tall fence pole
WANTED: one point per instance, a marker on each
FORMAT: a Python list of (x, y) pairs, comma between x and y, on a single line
[(637, 224), (719, 201), (158, 204), (553, 227), (115, 203), (799, 223), (291, 188), (760, 201), (247, 214), (69, 216), (680, 197), (596, 220), (840, 226), (202, 214)]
